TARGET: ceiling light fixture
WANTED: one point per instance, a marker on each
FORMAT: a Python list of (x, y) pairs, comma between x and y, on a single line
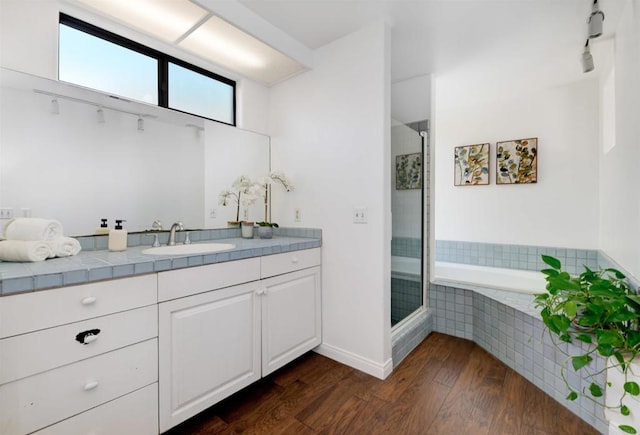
[(100, 115), (55, 108), (166, 20), (595, 20), (140, 123), (587, 59)]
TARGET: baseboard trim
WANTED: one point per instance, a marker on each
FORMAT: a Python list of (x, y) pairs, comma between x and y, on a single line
[(380, 371)]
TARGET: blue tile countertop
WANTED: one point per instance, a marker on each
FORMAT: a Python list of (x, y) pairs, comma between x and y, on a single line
[(96, 265)]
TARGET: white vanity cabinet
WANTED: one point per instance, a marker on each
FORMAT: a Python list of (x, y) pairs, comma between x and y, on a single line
[(291, 307), (71, 356), (221, 339)]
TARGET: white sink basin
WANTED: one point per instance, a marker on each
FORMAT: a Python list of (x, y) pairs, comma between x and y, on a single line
[(196, 248)]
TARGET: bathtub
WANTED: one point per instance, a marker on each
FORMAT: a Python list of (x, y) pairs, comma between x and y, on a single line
[(514, 280), (406, 268)]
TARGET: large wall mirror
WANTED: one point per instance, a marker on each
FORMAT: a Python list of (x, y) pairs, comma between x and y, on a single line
[(78, 155)]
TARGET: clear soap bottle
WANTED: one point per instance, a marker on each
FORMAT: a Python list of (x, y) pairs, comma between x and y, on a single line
[(118, 237)]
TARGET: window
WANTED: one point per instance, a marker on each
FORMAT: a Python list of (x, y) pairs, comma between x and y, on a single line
[(97, 59)]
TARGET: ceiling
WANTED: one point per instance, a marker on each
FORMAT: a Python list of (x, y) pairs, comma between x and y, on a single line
[(472, 44), (443, 36)]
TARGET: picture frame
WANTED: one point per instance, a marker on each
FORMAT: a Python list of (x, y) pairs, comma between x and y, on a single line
[(517, 161), (409, 171), (471, 165)]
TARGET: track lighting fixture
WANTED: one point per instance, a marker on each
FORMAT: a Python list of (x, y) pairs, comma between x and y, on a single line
[(595, 20), (100, 115), (587, 59), (140, 123), (55, 108)]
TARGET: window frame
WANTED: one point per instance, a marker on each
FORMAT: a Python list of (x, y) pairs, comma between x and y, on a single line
[(163, 63)]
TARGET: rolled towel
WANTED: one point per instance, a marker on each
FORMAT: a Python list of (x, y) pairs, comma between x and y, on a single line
[(64, 247), (21, 250), (33, 229)]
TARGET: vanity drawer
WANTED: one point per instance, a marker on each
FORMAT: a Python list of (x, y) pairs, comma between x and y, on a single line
[(28, 312), (27, 354), (185, 282), (46, 398), (290, 261), (136, 413)]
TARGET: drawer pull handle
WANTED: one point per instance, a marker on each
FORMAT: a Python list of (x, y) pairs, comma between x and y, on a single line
[(295, 260), (90, 385), (88, 300), (261, 292), (86, 337)]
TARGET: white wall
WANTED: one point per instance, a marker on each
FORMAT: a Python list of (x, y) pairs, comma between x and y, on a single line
[(411, 99), (562, 208), (619, 198), (330, 134)]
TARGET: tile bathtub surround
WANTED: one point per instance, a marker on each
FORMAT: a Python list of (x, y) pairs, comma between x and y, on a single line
[(89, 266), (514, 336), (514, 256)]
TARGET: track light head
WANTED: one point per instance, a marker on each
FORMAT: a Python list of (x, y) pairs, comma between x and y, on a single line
[(140, 123), (595, 21), (587, 59), (100, 115)]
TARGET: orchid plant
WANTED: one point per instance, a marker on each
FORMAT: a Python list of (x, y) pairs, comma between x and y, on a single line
[(243, 192), (264, 185)]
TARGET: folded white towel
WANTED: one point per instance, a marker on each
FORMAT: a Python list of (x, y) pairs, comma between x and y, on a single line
[(19, 250), (64, 247), (32, 229)]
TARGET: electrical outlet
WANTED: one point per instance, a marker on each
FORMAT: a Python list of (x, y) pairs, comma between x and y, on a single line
[(246, 214), (297, 215), (360, 215), (6, 213), (212, 213), (26, 212)]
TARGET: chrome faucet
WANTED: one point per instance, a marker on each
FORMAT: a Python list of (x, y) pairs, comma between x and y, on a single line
[(172, 233)]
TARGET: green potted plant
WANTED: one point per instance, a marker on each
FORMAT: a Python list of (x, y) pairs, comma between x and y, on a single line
[(265, 228), (600, 312)]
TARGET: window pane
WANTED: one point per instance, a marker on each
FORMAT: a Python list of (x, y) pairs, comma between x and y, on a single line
[(98, 64), (196, 93)]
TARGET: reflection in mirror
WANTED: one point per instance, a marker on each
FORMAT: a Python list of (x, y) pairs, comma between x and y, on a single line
[(68, 161)]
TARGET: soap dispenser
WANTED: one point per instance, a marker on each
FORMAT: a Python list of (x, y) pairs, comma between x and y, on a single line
[(103, 228), (118, 237)]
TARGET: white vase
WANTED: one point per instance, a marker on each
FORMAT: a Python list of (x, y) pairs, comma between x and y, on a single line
[(247, 230), (615, 390)]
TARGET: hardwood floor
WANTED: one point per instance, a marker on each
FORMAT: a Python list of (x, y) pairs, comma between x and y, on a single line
[(446, 386)]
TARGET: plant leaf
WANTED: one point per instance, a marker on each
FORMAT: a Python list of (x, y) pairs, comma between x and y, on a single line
[(580, 361), (627, 429), (624, 410), (585, 338), (570, 308), (550, 272), (595, 389), (572, 396), (632, 388), (551, 261)]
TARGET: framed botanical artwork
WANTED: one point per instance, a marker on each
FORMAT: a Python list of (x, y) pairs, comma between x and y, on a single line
[(471, 165), (517, 161), (409, 171)]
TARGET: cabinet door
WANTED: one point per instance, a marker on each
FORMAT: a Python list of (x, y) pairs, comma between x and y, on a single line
[(291, 323), (209, 348)]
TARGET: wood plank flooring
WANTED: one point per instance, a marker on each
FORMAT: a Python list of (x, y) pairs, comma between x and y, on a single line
[(445, 386)]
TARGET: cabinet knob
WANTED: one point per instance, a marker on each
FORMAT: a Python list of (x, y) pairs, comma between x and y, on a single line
[(91, 385), (295, 260), (261, 292), (88, 300)]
